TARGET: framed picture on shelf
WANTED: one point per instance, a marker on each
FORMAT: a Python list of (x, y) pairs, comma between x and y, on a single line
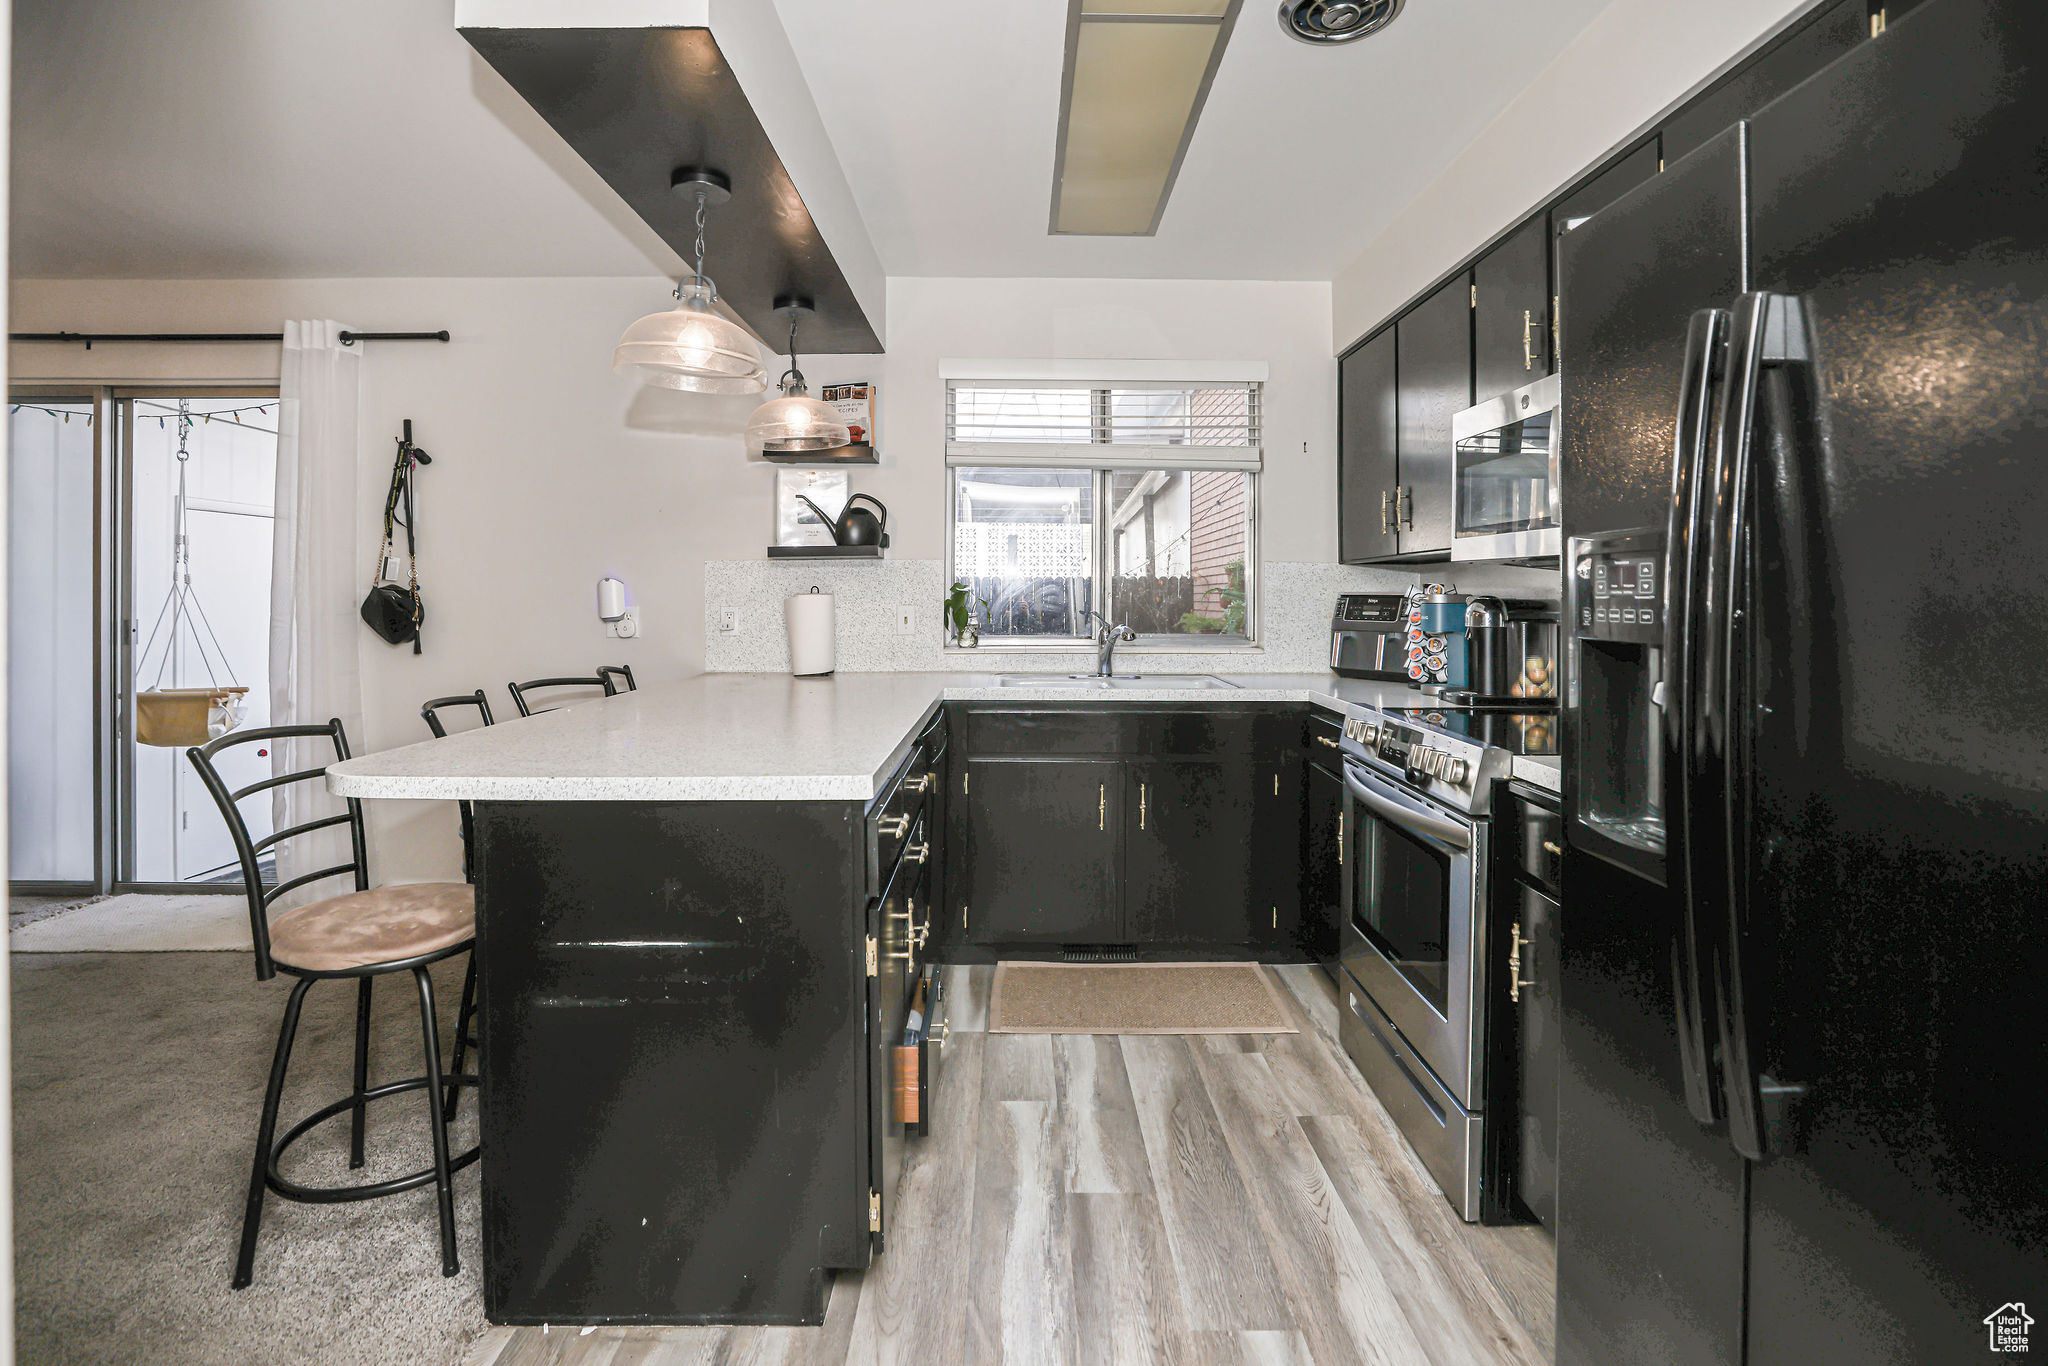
[(796, 524), (855, 404)]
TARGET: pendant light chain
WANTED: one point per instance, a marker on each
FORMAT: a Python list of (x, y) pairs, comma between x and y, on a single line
[(700, 231)]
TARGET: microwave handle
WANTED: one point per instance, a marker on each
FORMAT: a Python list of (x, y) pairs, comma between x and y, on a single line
[(1407, 817)]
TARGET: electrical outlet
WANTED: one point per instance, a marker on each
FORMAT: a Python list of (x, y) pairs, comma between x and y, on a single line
[(728, 620), (906, 621), (626, 627)]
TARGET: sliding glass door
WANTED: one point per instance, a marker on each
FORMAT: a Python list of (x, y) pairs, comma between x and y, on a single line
[(200, 468), (53, 638), (139, 542)]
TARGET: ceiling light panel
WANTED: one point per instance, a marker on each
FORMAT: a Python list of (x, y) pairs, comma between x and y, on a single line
[(1137, 72)]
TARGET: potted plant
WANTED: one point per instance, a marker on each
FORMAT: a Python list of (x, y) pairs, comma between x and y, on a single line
[(966, 631)]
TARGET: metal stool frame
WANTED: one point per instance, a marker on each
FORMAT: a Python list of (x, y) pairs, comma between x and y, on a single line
[(264, 1175)]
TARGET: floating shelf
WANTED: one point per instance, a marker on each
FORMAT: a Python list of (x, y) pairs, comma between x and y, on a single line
[(824, 552), (856, 453)]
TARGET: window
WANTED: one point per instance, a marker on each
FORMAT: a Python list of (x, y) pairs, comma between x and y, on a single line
[(1137, 501)]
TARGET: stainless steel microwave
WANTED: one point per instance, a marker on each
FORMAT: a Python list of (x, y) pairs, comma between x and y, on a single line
[(1504, 485)]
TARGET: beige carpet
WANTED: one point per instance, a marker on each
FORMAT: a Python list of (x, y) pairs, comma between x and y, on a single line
[(137, 1079), (1135, 998), (138, 923)]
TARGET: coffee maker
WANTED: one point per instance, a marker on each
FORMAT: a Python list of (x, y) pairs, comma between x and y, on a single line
[(1510, 652)]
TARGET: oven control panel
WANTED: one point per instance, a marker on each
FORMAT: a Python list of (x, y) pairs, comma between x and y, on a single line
[(1411, 753), (1616, 586)]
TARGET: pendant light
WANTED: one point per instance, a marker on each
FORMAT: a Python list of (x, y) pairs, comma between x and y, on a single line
[(795, 421), (692, 346)]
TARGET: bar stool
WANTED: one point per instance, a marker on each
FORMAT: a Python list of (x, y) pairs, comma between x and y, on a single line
[(608, 671), (362, 935), (520, 690), (430, 712)]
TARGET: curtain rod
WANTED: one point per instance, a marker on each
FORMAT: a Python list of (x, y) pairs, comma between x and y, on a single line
[(88, 338)]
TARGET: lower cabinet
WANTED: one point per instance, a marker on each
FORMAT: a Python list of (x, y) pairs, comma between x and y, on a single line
[(1187, 829), (1178, 827), (1537, 1046), (1322, 864), (1525, 1049), (1042, 844)]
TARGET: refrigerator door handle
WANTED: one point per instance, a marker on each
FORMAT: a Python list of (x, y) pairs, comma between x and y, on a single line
[(1705, 336), (1764, 328)]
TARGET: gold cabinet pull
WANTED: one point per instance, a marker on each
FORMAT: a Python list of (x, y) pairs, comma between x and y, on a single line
[(1340, 839), (895, 827), (1102, 806), (1144, 800), (1326, 740), (921, 783), (1386, 512), (1553, 847), (918, 853), (1528, 342), (1515, 981), (1405, 509)]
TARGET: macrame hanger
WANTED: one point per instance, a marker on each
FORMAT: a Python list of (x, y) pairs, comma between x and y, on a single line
[(181, 605)]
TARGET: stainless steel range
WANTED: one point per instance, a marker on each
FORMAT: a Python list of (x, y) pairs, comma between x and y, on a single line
[(1418, 793)]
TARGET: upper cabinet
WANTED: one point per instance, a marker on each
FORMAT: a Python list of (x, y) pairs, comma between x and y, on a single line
[(1368, 473), (1829, 34), (1511, 311), (1581, 204), (1435, 351), (1493, 325)]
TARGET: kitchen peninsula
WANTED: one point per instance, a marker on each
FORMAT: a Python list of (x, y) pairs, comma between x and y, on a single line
[(703, 910)]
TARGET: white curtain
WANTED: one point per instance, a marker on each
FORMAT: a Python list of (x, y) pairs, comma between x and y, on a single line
[(314, 592)]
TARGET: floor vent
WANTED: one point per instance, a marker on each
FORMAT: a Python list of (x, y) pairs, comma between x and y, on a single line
[(1098, 953)]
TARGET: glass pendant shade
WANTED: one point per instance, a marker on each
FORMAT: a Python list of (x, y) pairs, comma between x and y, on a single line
[(795, 422), (691, 347)]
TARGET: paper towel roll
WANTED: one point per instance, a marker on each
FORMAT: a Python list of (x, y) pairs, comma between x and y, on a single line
[(813, 632)]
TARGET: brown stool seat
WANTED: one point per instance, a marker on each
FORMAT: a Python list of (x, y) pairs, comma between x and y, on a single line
[(382, 925)]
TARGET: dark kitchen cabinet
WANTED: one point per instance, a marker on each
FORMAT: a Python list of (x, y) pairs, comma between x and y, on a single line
[(1435, 360), (1534, 932), (1368, 471), (1107, 824), (1322, 859), (1042, 843), (1828, 35), (1511, 312), (1581, 204), (1187, 827), (1525, 1056)]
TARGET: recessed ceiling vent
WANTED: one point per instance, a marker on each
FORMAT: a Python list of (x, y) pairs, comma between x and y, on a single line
[(1335, 21)]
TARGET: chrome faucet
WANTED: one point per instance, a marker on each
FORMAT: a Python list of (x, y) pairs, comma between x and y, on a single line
[(1105, 644)]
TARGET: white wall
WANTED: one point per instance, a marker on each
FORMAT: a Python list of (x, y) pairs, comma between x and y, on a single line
[(550, 472), (1637, 59)]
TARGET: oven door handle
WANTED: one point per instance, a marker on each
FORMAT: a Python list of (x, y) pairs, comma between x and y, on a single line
[(1407, 817)]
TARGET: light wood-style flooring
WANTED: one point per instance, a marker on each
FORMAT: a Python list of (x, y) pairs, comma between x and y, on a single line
[(1228, 1199)]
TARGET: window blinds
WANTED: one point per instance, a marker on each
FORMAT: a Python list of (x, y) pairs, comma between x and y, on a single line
[(1149, 425)]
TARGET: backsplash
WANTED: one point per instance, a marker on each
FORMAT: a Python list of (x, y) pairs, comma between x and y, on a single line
[(1294, 605)]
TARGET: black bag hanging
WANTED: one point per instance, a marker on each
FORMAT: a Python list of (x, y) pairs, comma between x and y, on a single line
[(394, 610)]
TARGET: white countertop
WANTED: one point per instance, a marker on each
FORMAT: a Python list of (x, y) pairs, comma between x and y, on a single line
[(753, 737)]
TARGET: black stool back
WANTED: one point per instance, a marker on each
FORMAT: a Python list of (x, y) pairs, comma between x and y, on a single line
[(431, 714), (610, 671), (519, 691), (246, 849)]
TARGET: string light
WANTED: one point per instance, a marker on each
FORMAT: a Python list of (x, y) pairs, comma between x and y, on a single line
[(65, 414)]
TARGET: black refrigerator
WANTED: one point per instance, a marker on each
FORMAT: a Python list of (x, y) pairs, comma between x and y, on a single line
[(1805, 926)]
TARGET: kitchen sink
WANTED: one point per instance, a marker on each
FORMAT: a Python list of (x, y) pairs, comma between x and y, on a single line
[(1096, 681)]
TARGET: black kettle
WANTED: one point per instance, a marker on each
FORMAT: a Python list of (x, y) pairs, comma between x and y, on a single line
[(856, 526)]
